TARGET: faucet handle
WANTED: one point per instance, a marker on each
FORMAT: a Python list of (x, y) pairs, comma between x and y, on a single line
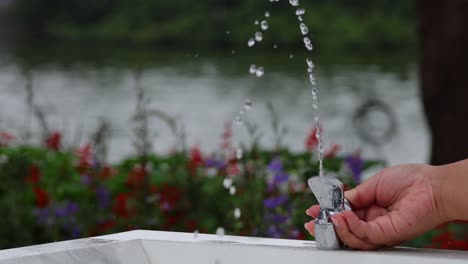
[(329, 192)]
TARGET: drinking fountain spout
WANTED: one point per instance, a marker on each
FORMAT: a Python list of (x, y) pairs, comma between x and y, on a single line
[(329, 192)]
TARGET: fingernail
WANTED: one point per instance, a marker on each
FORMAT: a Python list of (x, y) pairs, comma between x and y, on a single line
[(307, 212), (335, 222), (305, 225)]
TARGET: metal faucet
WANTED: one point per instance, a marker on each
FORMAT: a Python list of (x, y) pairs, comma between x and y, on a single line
[(329, 192)]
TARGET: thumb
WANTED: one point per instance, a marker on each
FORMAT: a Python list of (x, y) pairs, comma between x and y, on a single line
[(365, 194)]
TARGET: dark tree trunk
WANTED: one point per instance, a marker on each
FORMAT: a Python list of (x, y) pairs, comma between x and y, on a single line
[(444, 76)]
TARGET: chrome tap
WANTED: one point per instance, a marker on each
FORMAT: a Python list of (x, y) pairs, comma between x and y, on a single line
[(329, 192)]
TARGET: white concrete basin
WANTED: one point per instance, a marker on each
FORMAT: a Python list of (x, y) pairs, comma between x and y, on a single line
[(151, 247)]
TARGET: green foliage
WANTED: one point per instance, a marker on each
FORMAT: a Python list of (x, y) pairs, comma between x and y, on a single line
[(339, 24), (47, 195)]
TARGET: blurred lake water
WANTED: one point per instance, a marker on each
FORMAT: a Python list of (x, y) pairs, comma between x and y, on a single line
[(76, 88)]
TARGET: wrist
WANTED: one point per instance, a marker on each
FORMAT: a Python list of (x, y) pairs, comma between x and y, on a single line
[(450, 183)]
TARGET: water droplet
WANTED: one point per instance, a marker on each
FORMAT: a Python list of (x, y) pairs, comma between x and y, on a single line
[(294, 2), (314, 97), (239, 153), (237, 213), (253, 69), (267, 14), (228, 32), (256, 22), (227, 183), (233, 52), (317, 134), (300, 11), (310, 70), (196, 55), (316, 117), (309, 46), (310, 63), (300, 18), (304, 29), (238, 121), (232, 190), (195, 234), (258, 36), (291, 56), (251, 42), (264, 25), (307, 40), (315, 105), (220, 232), (248, 104), (275, 46), (320, 147), (312, 79), (314, 92), (260, 71)]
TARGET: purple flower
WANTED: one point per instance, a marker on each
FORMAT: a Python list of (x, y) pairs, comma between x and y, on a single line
[(67, 210), (274, 202), (356, 164), (275, 165), (86, 179), (75, 232), (281, 177), (44, 216), (277, 218), (273, 232), (214, 163), (103, 196)]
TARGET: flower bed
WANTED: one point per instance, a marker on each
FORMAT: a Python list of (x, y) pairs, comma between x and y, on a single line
[(49, 195)]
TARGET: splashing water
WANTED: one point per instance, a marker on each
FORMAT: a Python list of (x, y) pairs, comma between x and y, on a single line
[(220, 232), (227, 183), (232, 190), (304, 29), (264, 25), (253, 69), (251, 42), (300, 11), (267, 14), (239, 153), (260, 71), (258, 36), (294, 2), (237, 213)]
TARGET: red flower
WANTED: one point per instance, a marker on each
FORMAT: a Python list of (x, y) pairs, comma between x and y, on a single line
[(42, 199), (6, 138), (85, 155), (121, 205), (107, 172), (170, 196), (53, 141), (34, 175), (196, 159), (333, 151), (136, 176), (106, 225), (311, 141)]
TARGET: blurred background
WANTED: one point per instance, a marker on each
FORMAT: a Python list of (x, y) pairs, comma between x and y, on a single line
[(127, 108)]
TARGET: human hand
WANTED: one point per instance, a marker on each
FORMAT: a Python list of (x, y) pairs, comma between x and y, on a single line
[(394, 206)]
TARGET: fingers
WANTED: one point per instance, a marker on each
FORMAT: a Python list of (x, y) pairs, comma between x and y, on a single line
[(364, 194), (310, 226), (313, 211), (370, 232), (348, 237)]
